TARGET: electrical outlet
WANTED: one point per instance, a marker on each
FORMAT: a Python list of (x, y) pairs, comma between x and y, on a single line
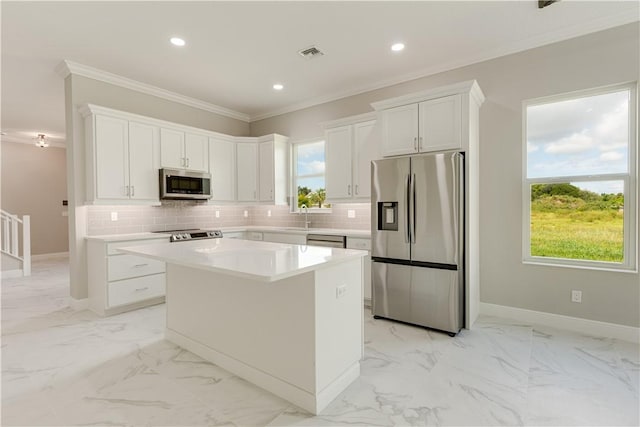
[(269, 212), (340, 291), (217, 214), (246, 214), (576, 296), (114, 216), (351, 213)]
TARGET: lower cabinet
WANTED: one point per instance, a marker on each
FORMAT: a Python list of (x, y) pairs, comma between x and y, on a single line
[(120, 282), (365, 245)]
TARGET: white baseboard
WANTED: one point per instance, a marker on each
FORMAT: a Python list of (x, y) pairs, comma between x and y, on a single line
[(11, 274), (575, 324), (53, 255), (79, 304)]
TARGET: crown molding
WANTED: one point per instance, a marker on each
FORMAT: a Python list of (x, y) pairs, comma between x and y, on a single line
[(562, 34), (67, 67)]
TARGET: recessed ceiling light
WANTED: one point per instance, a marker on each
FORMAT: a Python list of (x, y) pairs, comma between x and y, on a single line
[(278, 86), (177, 41), (397, 47)]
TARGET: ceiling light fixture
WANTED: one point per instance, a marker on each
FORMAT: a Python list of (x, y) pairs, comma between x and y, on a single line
[(278, 86), (41, 142), (397, 47), (177, 41)]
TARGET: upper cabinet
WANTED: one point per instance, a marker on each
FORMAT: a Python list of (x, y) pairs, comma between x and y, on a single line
[(122, 160), (433, 120), (263, 169), (183, 150), (222, 167), (349, 150)]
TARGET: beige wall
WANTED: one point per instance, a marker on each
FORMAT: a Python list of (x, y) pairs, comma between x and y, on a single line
[(80, 90), (34, 183), (594, 60)]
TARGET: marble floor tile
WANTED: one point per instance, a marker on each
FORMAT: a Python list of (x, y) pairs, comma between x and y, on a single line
[(61, 367)]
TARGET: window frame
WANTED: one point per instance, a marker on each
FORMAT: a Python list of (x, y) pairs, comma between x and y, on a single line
[(629, 179), (294, 174)]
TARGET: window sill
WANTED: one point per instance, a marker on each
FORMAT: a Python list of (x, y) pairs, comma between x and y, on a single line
[(561, 263)]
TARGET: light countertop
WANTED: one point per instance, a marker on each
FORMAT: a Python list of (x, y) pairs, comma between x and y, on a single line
[(262, 261)]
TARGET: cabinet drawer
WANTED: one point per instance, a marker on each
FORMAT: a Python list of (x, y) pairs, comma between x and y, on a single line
[(112, 248), (358, 243), (138, 289), (127, 266)]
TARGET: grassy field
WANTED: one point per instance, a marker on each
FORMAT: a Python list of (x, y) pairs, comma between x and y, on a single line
[(590, 234)]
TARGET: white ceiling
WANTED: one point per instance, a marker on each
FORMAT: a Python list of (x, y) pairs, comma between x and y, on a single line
[(237, 50)]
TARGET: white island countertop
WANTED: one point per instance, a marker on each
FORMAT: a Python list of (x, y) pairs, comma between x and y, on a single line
[(260, 261)]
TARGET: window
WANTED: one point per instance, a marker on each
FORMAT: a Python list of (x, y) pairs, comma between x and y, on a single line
[(580, 179), (308, 175)]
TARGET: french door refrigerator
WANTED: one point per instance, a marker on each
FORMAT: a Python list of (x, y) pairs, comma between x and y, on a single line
[(417, 223)]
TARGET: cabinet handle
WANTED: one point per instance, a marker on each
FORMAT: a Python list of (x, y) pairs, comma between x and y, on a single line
[(133, 191), (142, 289), (140, 265), (415, 144), (356, 189)]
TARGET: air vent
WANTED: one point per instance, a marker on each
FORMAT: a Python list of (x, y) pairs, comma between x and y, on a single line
[(310, 52)]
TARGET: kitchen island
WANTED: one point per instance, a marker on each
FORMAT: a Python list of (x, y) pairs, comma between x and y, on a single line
[(288, 318)]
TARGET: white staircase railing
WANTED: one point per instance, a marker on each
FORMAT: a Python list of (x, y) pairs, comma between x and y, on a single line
[(10, 240)]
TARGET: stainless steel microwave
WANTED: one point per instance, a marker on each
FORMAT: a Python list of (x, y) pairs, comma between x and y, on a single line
[(181, 184)]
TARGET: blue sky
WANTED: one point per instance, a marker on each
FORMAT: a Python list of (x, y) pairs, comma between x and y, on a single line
[(311, 161), (584, 136)]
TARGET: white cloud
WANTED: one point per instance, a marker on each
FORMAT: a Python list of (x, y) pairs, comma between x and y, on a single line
[(576, 143), (611, 156)]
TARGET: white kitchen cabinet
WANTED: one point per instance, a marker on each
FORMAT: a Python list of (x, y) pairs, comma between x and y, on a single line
[(180, 150), (222, 163), (365, 245), (295, 239), (143, 162), (122, 160), (349, 151), (273, 159), (247, 171), (120, 282), (338, 149), (430, 125)]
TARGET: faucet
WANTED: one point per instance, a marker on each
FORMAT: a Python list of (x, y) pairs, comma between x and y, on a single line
[(306, 216)]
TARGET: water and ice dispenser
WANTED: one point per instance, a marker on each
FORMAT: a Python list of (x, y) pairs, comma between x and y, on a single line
[(388, 216)]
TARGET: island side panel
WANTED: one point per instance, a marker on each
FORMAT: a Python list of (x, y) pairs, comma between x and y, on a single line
[(266, 326), (339, 323)]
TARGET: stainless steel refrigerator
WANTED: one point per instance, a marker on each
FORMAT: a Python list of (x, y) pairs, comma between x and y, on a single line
[(417, 223)]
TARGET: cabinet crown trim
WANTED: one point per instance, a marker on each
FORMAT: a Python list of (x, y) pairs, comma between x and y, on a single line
[(345, 121), (471, 87)]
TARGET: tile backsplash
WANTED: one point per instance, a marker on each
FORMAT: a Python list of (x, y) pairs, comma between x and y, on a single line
[(187, 214)]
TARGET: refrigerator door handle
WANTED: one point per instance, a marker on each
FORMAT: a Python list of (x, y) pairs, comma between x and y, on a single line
[(413, 208), (407, 198)]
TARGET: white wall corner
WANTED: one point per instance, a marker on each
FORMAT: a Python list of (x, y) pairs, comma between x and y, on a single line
[(574, 324), (79, 304)]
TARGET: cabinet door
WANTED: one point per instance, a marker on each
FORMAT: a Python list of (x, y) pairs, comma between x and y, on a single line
[(143, 161), (365, 151), (172, 149), (400, 130), (266, 172), (222, 163), (247, 171), (338, 163), (196, 152), (112, 158), (441, 123)]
